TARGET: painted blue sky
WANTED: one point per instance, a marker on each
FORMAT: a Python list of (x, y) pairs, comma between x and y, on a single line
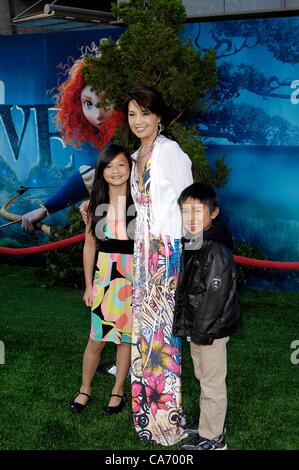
[(262, 59)]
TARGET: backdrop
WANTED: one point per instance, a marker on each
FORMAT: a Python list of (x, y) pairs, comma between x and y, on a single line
[(253, 123)]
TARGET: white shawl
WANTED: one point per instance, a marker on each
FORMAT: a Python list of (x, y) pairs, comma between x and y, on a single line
[(170, 174)]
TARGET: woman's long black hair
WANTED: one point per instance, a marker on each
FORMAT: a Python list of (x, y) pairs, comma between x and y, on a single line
[(151, 100), (100, 189)]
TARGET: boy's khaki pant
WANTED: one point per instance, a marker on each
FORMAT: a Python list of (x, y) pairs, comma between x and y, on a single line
[(210, 367)]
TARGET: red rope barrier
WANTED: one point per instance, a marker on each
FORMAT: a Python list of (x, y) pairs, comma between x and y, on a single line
[(78, 238), (261, 263), (42, 248)]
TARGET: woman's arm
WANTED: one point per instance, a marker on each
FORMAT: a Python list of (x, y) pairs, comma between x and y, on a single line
[(171, 173), (89, 251), (83, 208), (175, 166)]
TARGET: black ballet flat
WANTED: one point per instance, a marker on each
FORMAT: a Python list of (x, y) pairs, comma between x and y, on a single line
[(110, 410), (77, 407)]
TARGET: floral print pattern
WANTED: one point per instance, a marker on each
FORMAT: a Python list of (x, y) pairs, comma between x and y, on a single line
[(156, 354)]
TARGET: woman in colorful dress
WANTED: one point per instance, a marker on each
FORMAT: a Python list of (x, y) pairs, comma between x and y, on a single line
[(161, 170), (108, 270)]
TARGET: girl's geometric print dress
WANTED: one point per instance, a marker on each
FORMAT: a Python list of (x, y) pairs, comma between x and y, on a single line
[(111, 311)]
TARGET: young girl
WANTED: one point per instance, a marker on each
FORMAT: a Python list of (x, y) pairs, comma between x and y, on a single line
[(108, 249)]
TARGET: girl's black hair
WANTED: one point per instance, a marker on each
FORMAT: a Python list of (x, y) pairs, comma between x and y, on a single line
[(148, 99), (100, 189), (201, 192)]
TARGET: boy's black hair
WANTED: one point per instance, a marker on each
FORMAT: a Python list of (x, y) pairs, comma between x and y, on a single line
[(201, 192)]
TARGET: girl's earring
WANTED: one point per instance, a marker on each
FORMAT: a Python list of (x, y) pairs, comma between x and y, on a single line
[(160, 127)]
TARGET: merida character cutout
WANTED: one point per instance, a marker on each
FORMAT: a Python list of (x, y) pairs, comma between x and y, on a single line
[(82, 117)]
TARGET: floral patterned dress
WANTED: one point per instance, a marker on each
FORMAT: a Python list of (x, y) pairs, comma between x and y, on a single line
[(156, 354)]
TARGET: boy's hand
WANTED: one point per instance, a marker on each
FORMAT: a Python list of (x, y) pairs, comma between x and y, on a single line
[(88, 297)]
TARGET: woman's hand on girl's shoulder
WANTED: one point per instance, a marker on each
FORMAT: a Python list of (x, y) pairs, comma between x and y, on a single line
[(83, 208), (88, 297)]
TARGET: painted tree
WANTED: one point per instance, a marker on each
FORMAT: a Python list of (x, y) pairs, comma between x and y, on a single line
[(151, 51), (233, 37), (247, 123)]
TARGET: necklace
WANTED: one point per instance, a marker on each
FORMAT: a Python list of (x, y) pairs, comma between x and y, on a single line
[(142, 155)]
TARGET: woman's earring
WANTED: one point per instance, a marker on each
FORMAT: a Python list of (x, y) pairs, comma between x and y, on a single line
[(160, 127)]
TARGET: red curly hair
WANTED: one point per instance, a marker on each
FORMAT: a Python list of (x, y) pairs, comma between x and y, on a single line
[(70, 120)]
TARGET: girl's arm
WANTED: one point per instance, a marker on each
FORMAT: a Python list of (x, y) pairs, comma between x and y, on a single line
[(89, 251)]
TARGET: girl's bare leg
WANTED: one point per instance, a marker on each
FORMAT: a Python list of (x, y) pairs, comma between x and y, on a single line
[(123, 361), (91, 360)]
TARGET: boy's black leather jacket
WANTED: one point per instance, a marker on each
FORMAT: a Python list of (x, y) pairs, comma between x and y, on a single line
[(207, 304)]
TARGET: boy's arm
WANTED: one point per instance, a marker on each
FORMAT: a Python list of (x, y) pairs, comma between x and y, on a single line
[(218, 285)]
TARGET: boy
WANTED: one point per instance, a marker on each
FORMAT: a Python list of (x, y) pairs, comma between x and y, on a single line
[(207, 308)]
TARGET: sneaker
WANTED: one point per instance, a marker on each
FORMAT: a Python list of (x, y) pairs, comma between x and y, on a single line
[(191, 430), (206, 444)]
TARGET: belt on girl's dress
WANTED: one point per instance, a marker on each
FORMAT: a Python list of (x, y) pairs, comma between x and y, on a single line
[(112, 245)]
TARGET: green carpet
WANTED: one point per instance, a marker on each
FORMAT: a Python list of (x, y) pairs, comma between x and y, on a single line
[(45, 333)]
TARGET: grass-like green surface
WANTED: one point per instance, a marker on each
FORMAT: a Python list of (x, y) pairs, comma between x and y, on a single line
[(45, 333)]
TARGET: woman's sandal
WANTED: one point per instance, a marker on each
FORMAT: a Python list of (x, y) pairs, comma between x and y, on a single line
[(110, 410), (77, 407)]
